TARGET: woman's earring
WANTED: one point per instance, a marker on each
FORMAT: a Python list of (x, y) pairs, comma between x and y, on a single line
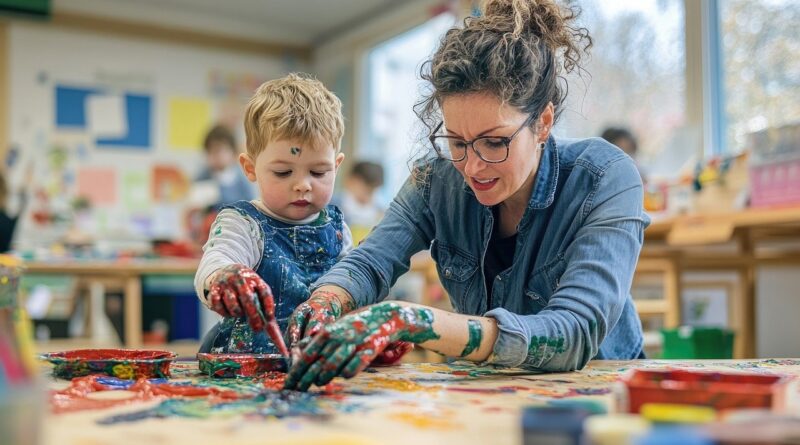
[(541, 146)]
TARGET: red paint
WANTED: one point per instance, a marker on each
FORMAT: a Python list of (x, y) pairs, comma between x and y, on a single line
[(717, 390), (241, 365), (75, 396), (121, 363), (274, 380), (111, 354), (393, 353), (238, 291)]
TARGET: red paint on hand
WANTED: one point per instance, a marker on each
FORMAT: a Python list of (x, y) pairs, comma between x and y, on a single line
[(238, 291)]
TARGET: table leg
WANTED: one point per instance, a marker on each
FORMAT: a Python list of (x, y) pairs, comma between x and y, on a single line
[(133, 311)]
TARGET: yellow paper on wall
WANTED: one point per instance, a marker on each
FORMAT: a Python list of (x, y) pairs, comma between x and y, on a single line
[(189, 119)]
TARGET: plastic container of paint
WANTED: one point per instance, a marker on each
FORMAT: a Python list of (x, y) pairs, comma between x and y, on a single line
[(673, 436), (688, 342), (553, 425), (121, 363), (721, 391), (240, 365), (615, 429), (671, 413)]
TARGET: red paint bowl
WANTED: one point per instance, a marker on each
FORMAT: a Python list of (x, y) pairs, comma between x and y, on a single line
[(120, 363), (721, 391), (241, 365)]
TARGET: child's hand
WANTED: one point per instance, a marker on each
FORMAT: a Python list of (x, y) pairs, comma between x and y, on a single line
[(350, 344), (238, 291), (393, 353), (321, 309)]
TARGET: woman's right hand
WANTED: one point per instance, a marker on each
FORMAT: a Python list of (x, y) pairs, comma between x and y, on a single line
[(322, 308)]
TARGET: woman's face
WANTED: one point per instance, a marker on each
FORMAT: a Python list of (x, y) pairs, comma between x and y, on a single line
[(468, 116)]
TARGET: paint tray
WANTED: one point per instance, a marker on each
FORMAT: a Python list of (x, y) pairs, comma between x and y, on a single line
[(720, 391), (240, 365), (120, 363)]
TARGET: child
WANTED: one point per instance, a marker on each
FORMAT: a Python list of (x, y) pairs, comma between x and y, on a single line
[(290, 236), (361, 211), (221, 156)]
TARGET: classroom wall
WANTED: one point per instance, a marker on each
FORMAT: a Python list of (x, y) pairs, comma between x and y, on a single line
[(119, 120), (777, 311)]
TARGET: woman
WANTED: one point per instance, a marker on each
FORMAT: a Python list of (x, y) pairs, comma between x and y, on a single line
[(535, 238)]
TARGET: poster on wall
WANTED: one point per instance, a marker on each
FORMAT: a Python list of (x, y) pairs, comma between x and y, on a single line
[(114, 120)]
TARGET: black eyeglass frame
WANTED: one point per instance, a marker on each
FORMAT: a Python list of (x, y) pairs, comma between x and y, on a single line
[(506, 141)]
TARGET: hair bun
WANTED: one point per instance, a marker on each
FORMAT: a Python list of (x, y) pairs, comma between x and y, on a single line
[(539, 21)]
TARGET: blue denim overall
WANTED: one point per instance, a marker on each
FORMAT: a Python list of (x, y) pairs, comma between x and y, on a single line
[(294, 257)]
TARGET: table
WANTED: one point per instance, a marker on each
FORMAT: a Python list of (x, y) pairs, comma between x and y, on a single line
[(738, 241), (127, 273), (413, 403)]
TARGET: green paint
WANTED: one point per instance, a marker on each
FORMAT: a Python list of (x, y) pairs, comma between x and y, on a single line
[(543, 348), (475, 337), (295, 151), (211, 368), (218, 231)]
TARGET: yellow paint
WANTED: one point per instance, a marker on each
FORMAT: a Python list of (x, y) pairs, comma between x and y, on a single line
[(674, 413), (424, 421), (396, 384), (189, 120), (313, 439)]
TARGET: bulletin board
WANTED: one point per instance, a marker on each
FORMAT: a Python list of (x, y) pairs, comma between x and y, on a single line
[(114, 126)]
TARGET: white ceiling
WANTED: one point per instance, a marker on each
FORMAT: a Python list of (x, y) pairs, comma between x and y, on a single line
[(296, 22)]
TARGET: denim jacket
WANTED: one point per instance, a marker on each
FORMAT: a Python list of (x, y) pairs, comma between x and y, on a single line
[(566, 299)]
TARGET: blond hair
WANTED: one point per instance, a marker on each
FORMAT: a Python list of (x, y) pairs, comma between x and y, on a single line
[(293, 107)]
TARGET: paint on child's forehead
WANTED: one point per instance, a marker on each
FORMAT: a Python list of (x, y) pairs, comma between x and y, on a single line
[(295, 151)]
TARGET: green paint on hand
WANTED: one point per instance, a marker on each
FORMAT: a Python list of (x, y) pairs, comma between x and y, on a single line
[(475, 337)]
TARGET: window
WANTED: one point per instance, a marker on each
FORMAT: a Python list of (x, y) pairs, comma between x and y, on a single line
[(634, 78), (760, 47), (391, 133)]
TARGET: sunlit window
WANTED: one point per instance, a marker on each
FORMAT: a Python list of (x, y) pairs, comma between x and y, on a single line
[(390, 132), (634, 79), (761, 66)]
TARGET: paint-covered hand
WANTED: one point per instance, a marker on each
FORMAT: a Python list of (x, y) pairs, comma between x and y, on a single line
[(238, 291), (350, 344), (393, 353), (321, 309)]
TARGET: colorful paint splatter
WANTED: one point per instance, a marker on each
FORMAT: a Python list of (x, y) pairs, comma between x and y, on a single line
[(462, 400), (120, 363)]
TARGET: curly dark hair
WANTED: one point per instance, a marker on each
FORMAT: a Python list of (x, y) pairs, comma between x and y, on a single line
[(517, 50)]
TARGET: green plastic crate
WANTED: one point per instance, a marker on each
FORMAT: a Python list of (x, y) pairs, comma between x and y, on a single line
[(689, 342)]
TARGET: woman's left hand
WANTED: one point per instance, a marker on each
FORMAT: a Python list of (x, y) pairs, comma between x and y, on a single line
[(350, 344)]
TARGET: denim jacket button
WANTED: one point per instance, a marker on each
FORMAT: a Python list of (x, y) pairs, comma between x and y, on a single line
[(448, 272)]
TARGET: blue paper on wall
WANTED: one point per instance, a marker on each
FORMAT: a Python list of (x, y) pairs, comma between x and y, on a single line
[(72, 112)]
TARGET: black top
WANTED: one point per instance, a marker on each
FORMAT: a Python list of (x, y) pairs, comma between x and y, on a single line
[(499, 257), (7, 225)]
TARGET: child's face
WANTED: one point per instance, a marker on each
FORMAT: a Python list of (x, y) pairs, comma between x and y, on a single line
[(295, 180)]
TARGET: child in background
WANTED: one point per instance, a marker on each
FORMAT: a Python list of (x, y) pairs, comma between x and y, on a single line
[(290, 236), (222, 167), (358, 204)]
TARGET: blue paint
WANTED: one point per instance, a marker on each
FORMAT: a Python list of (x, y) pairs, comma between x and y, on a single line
[(550, 424)]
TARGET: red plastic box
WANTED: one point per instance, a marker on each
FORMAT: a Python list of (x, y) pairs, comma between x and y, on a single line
[(716, 390)]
